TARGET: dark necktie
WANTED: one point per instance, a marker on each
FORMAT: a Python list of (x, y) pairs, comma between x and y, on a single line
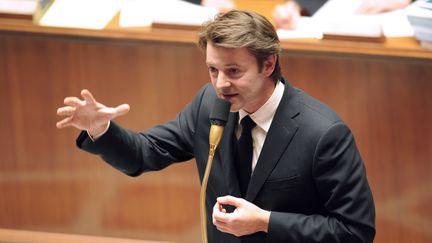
[(244, 154)]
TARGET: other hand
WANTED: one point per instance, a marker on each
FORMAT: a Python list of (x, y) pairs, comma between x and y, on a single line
[(286, 15), (88, 114), (220, 5), (379, 6), (246, 219)]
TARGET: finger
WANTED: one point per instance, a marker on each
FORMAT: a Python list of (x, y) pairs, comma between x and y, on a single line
[(374, 10), (368, 7), (230, 200), (88, 97), (217, 209), (222, 209), (67, 122), (111, 113), (220, 225), (222, 229), (122, 109), (66, 111), (221, 218), (216, 218), (73, 101), (364, 9)]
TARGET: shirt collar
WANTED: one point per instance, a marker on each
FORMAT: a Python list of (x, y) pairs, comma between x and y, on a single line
[(263, 117)]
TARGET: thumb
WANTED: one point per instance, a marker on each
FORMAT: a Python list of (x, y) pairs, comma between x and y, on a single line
[(88, 97), (122, 109), (113, 112)]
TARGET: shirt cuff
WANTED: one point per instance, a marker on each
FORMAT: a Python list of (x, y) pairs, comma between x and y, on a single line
[(94, 138)]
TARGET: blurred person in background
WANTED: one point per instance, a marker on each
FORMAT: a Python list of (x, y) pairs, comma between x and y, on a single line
[(287, 14)]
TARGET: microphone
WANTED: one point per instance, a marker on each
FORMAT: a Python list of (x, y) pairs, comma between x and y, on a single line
[(218, 119)]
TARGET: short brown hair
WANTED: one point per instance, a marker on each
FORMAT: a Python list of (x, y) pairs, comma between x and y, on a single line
[(242, 28)]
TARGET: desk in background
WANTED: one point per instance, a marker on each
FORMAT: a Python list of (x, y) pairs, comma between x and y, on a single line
[(24, 236)]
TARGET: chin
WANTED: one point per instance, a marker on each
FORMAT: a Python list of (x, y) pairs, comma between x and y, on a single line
[(234, 108)]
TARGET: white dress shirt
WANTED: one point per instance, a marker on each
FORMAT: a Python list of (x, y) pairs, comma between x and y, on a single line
[(263, 118)]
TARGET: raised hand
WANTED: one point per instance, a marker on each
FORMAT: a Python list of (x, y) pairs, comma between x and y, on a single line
[(88, 114)]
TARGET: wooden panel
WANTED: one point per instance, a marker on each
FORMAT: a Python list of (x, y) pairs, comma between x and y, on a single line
[(52, 186), (392, 47), (10, 235), (388, 106), (176, 218)]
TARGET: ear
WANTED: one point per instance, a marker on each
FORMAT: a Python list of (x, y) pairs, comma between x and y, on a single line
[(269, 65)]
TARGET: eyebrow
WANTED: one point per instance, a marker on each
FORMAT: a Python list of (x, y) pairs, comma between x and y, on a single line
[(226, 65)]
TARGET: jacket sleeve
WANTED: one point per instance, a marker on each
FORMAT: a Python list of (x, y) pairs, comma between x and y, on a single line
[(154, 149), (340, 179)]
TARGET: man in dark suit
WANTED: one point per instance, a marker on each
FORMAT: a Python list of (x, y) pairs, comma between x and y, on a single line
[(306, 181)]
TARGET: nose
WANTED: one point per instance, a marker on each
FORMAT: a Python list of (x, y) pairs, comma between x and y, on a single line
[(222, 81)]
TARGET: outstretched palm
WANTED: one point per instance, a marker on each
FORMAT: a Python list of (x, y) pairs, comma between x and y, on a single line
[(88, 114)]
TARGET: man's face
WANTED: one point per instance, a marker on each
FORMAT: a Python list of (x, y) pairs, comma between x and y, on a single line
[(236, 77)]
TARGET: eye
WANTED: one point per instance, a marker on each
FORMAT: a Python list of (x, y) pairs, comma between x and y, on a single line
[(213, 71), (233, 72)]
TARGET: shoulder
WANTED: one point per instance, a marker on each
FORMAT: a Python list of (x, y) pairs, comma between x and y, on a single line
[(200, 106), (306, 110), (204, 99), (316, 110), (313, 117)]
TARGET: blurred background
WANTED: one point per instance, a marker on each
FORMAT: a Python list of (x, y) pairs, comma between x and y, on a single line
[(380, 83)]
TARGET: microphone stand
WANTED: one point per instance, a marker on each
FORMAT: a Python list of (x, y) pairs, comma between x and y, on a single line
[(218, 118), (214, 139)]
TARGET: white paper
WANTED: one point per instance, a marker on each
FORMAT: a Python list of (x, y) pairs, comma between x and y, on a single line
[(135, 13), (343, 12), (18, 6), (86, 14), (307, 28), (181, 12), (396, 24), (145, 12)]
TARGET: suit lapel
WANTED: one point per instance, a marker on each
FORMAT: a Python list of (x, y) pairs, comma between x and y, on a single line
[(226, 150), (278, 138)]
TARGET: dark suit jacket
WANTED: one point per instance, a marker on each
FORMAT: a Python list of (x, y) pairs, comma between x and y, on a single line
[(309, 175)]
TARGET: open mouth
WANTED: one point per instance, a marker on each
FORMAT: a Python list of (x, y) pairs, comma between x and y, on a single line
[(229, 96)]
